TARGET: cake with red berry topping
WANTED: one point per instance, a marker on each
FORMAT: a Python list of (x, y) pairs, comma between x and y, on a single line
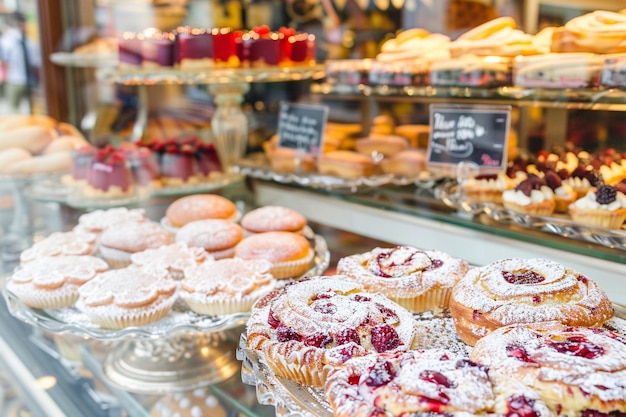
[(517, 290), (109, 175), (311, 326), (577, 371), (193, 48), (604, 207), (417, 280), (407, 383)]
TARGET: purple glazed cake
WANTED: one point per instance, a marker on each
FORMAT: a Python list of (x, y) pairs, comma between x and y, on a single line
[(194, 49)]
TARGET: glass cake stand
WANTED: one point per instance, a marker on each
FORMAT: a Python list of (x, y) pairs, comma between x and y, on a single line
[(228, 86), (183, 351)]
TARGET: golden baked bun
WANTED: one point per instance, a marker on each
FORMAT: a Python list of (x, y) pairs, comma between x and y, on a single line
[(418, 135), (387, 145), (345, 164), (511, 291), (200, 207), (600, 32), (407, 163)]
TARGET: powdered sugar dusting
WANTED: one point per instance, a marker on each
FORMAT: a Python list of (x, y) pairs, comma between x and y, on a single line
[(403, 271), (99, 220), (273, 246), (273, 218), (212, 234), (174, 257), (589, 361), (133, 236), (61, 244)]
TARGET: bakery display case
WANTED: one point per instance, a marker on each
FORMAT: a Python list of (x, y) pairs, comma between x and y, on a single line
[(57, 362)]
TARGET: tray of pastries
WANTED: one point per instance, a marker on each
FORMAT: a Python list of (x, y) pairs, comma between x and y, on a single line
[(401, 331), (119, 273)]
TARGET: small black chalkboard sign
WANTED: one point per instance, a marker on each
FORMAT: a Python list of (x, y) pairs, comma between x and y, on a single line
[(475, 133), (301, 127)]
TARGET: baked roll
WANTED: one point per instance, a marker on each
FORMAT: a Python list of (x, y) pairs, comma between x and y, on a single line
[(577, 371), (311, 326), (411, 382), (516, 290), (417, 280)]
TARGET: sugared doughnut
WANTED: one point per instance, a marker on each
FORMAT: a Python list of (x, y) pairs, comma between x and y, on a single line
[(517, 290)]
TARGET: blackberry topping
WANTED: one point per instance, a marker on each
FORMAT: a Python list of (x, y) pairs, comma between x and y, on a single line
[(594, 178), (621, 186), (606, 194), (533, 182), (553, 180)]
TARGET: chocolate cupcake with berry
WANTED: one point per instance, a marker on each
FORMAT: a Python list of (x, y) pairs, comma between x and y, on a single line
[(531, 196), (564, 195), (604, 207)]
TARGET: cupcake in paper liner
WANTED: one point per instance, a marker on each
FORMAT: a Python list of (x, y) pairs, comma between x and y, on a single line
[(226, 286), (290, 253)]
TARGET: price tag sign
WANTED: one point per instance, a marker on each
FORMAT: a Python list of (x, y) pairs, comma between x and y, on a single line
[(476, 134), (301, 127)]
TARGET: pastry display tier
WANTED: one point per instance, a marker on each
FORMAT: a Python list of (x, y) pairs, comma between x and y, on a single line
[(258, 167), (52, 189), (295, 400), (583, 98), (78, 60), (557, 224), (70, 319), (212, 76)]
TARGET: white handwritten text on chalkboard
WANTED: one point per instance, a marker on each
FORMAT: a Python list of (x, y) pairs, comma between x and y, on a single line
[(301, 127)]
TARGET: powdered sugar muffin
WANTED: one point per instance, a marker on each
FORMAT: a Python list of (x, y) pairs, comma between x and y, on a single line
[(174, 258), (120, 241), (517, 290), (289, 253), (409, 382), (273, 219), (127, 297), (417, 280), (200, 207), (577, 371), (226, 286), (61, 244), (307, 328), (604, 207), (53, 282), (99, 220), (216, 236)]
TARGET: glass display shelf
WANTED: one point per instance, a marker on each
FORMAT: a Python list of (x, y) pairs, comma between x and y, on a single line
[(86, 60), (583, 98), (166, 75)]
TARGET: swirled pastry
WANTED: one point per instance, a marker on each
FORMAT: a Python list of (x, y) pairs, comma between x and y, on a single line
[(310, 326), (417, 280), (577, 371), (53, 282), (404, 383), (516, 290)]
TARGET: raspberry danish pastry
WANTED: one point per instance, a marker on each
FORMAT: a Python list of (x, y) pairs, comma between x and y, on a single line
[(312, 325), (417, 280), (410, 382), (516, 290), (577, 371)]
